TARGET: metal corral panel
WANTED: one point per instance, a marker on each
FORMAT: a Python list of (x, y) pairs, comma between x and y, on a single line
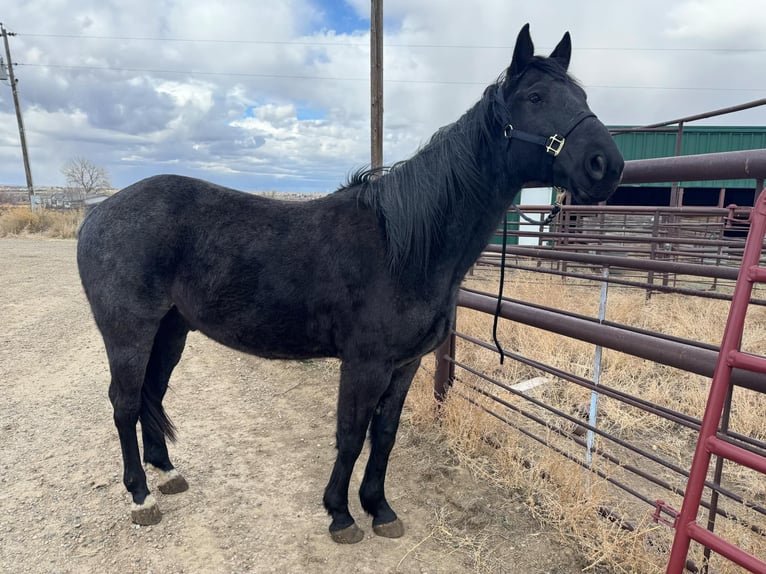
[(527, 196), (696, 139)]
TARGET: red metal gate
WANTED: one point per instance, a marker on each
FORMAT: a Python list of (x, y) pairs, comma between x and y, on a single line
[(711, 441)]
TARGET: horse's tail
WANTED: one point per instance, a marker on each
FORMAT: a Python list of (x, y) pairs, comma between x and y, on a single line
[(153, 416)]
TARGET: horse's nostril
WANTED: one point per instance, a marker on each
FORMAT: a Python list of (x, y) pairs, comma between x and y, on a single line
[(596, 166)]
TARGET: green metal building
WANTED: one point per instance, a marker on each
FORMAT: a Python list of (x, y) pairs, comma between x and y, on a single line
[(694, 140)]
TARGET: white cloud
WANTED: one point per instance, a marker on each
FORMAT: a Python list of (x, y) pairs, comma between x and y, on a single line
[(719, 21), (192, 94), (273, 96)]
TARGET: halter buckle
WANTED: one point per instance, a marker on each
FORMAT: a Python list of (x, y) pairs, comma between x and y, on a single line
[(507, 131), (555, 145)]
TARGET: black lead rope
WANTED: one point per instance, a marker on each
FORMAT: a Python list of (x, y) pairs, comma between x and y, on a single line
[(500, 290), (555, 208), (551, 216)]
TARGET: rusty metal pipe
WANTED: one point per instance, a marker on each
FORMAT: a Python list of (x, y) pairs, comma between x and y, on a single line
[(622, 262), (702, 116), (633, 209), (747, 164), (624, 282), (671, 353), (630, 239)]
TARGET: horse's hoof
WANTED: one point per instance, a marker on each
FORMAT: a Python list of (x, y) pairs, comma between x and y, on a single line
[(147, 513), (173, 483), (349, 535), (394, 529)]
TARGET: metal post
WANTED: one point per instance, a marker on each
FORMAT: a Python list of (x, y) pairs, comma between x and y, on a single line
[(674, 187), (596, 369), (653, 253), (444, 373), (376, 84)]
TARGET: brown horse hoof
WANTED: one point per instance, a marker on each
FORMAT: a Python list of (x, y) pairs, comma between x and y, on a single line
[(173, 483), (349, 535), (147, 513), (394, 529)]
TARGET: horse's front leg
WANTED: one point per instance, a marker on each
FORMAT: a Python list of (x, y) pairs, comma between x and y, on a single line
[(361, 384), (385, 423)]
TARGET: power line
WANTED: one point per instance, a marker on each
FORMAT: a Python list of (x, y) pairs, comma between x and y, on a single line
[(362, 79), (365, 44)]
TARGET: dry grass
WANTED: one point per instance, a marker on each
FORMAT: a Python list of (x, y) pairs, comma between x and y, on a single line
[(47, 222), (561, 492)]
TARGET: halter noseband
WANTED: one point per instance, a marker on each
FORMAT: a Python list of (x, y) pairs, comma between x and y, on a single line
[(552, 144)]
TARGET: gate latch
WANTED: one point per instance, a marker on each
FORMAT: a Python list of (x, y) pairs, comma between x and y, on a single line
[(659, 508)]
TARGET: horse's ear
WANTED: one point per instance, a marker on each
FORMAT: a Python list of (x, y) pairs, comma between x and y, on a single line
[(522, 53), (563, 52)]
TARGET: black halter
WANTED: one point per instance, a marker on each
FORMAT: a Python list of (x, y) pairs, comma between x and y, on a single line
[(552, 144)]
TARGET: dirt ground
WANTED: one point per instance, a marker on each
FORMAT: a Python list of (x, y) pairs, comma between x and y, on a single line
[(255, 443)]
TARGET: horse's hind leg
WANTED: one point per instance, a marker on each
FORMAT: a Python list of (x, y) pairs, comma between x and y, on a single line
[(385, 423), (155, 426), (128, 346)]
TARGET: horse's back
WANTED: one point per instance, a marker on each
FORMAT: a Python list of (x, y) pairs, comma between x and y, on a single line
[(133, 243), (170, 211), (167, 199)]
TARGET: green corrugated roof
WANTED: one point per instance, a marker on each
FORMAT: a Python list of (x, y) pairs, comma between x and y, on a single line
[(696, 139)]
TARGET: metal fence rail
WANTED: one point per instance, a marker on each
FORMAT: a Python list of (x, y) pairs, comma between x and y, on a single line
[(674, 238)]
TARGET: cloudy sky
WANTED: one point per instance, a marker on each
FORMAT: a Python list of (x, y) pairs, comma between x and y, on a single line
[(274, 94)]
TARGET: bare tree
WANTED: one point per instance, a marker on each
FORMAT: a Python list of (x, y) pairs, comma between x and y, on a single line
[(86, 177)]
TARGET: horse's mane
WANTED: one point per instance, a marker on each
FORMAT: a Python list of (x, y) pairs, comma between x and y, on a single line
[(415, 197)]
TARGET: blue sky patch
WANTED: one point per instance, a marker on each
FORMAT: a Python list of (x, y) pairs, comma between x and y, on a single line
[(341, 17), (309, 113), (302, 112)]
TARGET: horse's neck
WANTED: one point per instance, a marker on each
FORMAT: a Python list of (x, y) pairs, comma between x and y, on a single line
[(468, 234), (464, 190), (474, 220)]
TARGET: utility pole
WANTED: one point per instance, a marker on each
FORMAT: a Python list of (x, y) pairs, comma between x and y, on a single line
[(376, 84), (22, 136)]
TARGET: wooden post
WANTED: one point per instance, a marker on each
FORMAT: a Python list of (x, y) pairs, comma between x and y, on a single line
[(376, 84), (22, 136)]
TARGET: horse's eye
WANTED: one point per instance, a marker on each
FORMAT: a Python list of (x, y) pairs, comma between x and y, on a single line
[(535, 98)]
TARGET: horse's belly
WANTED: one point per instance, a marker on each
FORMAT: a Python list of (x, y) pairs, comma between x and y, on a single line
[(269, 334)]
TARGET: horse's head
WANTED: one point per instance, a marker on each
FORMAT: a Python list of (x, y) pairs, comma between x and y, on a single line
[(552, 136)]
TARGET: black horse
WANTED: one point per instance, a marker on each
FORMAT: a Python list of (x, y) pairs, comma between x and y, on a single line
[(368, 274)]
